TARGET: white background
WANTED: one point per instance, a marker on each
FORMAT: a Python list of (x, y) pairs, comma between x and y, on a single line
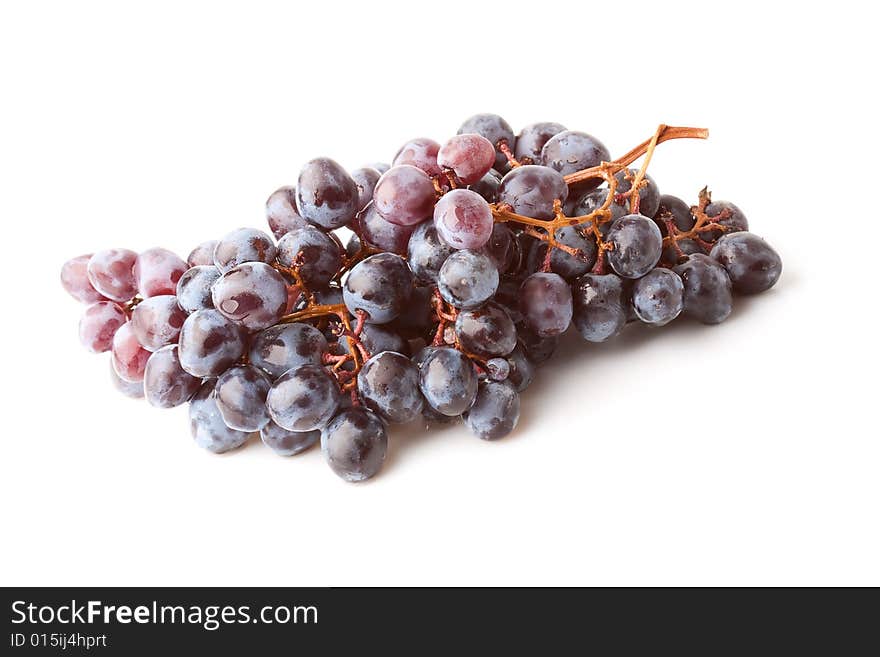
[(745, 453)]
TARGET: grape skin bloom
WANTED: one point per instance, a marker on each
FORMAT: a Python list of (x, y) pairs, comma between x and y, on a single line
[(303, 399), (240, 394), (354, 444), (111, 273), (283, 347), (244, 245), (75, 280), (468, 156), (380, 286), (326, 195), (99, 324), (545, 303), (313, 253), (495, 412), (194, 288), (463, 219), (599, 312), (426, 252), (486, 332), (287, 443), (157, 272), (404, 195), (447, 380), (658, 297), (156, 321), (467, 279), (209, 343), (166, 383), (389, 386), (251, 294), (207, 426), (636, 246)]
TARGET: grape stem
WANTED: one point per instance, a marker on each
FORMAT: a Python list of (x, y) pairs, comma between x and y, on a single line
[(546, 229)]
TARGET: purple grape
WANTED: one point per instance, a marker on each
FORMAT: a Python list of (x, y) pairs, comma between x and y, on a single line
[(502, 248), (566, 265), (132, 390), (209, 343), (381, 167), (111, 273), (752, 264), (467, 279), (166, 383), (426, 252), (531, 191), (545, 303), (649, 193), (495, 412), (287, 443), (208, 428), (304, 398), (240, 394), (469, 156), (420, 153), (538, 349), (281, 213), (599, 310), (280, 348), (365, 178), (493, 128), (388, 384), (677, 210), (380, 286), (498, 369), (157, 272), (571, 151), (194, 288), (532, 138), (734, 223), (316, 255), (658, 297), (404, 195), (463, 219), (157, 321), (383, 234), (354, 444), (636, 245), (99, 324), (253, 295), (75, 280), (244, 245), (128, 356), (447, 379), (203, 254), (707, 289), (487, 186), (486, 332), (522, 370), (326, 195)]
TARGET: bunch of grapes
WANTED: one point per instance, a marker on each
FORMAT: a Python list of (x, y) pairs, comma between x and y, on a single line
[(428, 289)]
